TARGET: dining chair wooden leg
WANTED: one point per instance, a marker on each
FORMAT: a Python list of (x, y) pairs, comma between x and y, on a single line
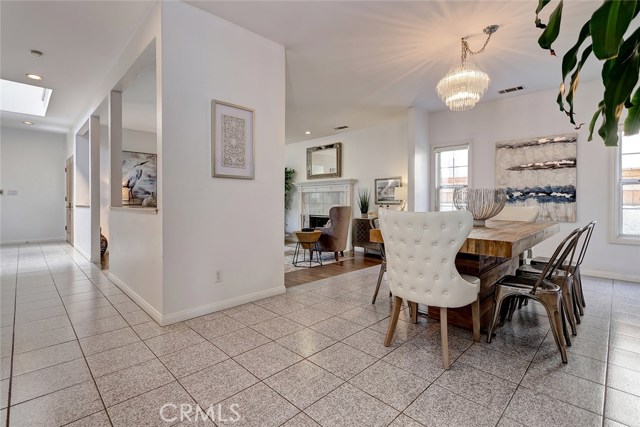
[(444, 337), (375, 294), (475, 319), (397, 305), (414, 312)]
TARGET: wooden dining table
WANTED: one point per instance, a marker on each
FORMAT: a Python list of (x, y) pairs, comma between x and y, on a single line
[(490, 253)]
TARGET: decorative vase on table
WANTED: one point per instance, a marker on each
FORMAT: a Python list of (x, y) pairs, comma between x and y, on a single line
[(483, 203)]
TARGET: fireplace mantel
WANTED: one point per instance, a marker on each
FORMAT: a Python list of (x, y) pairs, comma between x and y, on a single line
[(325, 182)]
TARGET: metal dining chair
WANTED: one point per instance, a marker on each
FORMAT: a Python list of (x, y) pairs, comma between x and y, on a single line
[(421, 250), (570, 293), (542, 289), (574, 268)]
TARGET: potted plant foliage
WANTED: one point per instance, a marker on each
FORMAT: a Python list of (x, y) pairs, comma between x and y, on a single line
[(288, 185), (364, 200), (605, 31)]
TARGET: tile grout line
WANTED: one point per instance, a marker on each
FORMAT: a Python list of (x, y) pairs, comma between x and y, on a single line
[(606, 371), (76, 335), (13, 339), (521, 379)]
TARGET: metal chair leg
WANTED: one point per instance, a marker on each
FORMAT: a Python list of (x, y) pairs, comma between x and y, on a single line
[(497, 304), (552, 304)]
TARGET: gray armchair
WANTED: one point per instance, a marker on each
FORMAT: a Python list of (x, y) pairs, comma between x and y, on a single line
[(334, 237)]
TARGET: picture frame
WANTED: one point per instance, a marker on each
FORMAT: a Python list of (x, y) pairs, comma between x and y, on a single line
[(385, 189), (324, 161), (139, 177), (232, 141)]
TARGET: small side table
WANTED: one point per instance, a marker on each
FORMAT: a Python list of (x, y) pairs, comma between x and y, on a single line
[(308, 240)]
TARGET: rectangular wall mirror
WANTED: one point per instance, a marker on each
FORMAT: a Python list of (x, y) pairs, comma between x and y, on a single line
[(324, 161)]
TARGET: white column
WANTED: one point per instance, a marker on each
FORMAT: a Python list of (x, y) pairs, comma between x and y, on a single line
[(94, 185), (115, 147), (418, 161)]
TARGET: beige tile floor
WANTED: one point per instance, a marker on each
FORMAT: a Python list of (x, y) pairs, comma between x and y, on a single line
[(77, 351)]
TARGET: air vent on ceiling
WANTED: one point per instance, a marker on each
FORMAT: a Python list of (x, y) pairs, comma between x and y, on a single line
[(511, 89), (341, 128)]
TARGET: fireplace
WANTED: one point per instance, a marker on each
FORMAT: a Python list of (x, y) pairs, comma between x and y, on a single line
[(318, 220), (317, 197)]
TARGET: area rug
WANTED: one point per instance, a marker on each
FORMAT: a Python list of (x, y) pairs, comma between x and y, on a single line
[(327, 258)]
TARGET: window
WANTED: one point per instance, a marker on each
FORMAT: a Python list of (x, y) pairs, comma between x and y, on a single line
[(627, 219), (451, 172)]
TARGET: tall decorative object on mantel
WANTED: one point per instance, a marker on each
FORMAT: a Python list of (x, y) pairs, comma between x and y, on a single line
[(364, 200), (483, 203), (540, 172)]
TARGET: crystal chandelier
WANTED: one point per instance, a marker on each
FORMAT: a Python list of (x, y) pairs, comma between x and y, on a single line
[(463, 86)]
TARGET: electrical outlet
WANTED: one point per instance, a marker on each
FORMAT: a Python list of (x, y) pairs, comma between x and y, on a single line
[(218, 276)]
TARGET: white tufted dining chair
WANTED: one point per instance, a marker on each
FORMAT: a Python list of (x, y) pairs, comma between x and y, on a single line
[(421, 249)]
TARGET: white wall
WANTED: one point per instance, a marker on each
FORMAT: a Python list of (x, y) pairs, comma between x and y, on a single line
[(135, 256), (537, 114), (209, 224), (367, 154), (105, 179), (139, 141), (32, 163), (82, 171), (82, 230)]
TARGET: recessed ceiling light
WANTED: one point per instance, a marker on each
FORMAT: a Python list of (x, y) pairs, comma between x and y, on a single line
[(27, 123), (34, 77), (307, 132), (341, 127), (36, 53)]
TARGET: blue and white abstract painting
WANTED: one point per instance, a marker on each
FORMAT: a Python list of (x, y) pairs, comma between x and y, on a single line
[(540, 172)]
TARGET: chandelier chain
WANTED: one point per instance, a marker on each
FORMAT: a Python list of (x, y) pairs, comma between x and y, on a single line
[(467, 51)]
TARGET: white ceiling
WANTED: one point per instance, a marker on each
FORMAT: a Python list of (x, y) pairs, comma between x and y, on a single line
[(348, 63), (80, 40)]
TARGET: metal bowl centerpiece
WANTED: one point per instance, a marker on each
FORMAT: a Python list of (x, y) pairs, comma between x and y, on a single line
[(483, 203)]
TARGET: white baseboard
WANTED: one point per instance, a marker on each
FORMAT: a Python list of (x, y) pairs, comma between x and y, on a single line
[(221, 305), (609, 275), (23, 242), (179, 316), (148, 308)]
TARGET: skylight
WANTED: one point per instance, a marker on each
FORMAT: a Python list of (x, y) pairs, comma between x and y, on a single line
[(24, 99)]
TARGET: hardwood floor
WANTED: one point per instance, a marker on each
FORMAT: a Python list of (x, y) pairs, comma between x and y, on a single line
[(359, 261)]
